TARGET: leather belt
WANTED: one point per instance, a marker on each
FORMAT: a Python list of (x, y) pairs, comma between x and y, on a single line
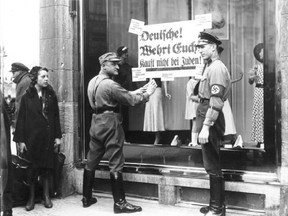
[(106, 109), (259, 85), (203, 100)]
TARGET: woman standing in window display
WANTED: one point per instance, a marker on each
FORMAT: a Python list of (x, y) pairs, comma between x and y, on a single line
[(38, 132), (256, 76), (153, 117)]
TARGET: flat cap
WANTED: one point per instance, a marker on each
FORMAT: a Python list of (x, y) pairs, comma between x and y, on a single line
[(17, 66), (121, 50), (110, 56), (205, 37)]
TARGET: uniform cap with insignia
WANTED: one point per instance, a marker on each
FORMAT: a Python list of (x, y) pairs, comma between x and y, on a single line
[(110, 56), (17, 66), (207, 38), (121, 50)]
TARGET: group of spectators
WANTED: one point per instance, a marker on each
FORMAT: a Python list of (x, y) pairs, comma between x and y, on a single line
[(36, 132)]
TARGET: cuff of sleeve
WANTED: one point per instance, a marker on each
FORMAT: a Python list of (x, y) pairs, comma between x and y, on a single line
[(211, 117), (146, 96), (208, 122)]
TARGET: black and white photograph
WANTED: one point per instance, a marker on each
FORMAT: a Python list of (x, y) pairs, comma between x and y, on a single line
[(143, 107)]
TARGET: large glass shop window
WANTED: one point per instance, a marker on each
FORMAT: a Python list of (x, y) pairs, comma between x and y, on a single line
[(240, 26)]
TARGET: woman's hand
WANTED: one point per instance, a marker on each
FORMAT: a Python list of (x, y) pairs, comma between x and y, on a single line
[(252, 76), (21, 147), (168, 95)]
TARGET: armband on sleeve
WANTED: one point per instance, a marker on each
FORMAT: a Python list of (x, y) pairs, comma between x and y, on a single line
[(211, 116)]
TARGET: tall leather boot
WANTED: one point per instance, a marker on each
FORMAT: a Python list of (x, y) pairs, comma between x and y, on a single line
[(120, 203), (217, 194), (88, 181), (7, 212), (206, 209), (31, 201), (47, 201)]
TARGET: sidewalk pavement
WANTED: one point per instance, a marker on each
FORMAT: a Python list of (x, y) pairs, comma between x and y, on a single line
[(72, 206)]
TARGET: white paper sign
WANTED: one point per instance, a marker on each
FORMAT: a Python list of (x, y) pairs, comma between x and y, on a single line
[(136, 26), (166, 76), (138, 74), (169, 48), (204, 20)]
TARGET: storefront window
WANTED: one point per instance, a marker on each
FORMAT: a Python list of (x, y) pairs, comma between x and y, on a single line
[(240, 26)]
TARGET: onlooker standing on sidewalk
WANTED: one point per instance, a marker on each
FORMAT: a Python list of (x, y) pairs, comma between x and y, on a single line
[(214, 88), (22, 79), (38, 132), (106, 132), (6, 178)]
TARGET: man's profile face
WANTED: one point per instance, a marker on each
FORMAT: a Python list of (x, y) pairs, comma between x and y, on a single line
[(206, 50), (124, 58), (111, 68), (15, 74)]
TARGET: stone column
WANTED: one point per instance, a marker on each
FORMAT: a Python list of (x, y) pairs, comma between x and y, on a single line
[(282, 70), (59, 53)]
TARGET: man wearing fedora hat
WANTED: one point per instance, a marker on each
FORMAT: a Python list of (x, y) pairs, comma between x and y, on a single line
[(22, 79), (213, 90), (106, 132)]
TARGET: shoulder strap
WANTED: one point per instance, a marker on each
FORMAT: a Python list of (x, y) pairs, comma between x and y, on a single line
[(95, 90)]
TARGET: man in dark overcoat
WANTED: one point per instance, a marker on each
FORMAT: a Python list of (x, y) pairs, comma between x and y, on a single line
[(6, 178), (22, 80)]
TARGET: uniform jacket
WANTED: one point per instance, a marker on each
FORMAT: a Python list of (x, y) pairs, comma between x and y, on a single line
[(38, 129), (110, 94)]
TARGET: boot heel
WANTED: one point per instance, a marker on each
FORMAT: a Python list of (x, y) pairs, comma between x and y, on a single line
[(29, 207), (47, 202), (88, 202)]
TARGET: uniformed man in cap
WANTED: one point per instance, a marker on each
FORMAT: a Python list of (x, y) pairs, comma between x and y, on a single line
[(106, 132), (124, 78), (22, 79), (214, 88)]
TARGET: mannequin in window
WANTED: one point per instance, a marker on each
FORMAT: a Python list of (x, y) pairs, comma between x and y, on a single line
[(153, 117), (230, 134), (191, 107), (256, 76)]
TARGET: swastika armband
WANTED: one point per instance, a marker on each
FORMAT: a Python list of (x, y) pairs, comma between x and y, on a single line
[(217, 90)]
